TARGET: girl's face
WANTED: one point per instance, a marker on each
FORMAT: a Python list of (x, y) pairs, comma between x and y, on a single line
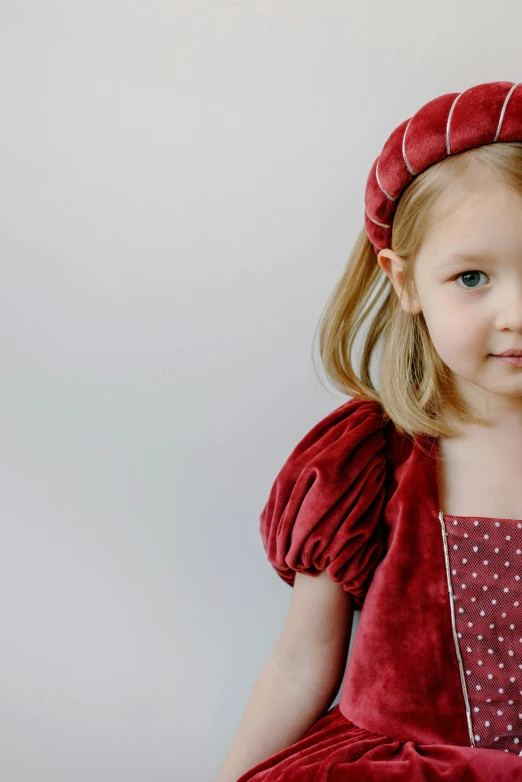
[(473, 306)]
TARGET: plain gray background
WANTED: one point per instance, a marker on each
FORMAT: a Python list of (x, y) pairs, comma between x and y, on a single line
[(181, 184)]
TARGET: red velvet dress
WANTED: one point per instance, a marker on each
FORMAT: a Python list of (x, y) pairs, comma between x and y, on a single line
[(433, 685)]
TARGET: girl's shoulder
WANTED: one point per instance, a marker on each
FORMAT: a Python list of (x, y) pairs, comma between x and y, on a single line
[(324, 508)]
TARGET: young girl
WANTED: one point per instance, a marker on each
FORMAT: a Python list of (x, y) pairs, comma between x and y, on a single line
[(407, 502)]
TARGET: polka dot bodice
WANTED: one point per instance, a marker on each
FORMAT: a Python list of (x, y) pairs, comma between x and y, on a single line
[(485, 570)]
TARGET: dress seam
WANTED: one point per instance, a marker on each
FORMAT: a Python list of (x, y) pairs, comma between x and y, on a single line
[(454, 628)]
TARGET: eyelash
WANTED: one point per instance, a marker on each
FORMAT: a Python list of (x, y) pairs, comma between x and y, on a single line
[(469, 271)]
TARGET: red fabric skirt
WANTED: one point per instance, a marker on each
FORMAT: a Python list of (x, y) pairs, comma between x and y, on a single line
[(336, 750)]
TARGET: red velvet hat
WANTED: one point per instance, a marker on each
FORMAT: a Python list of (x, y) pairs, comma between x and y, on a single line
[(451, 123)]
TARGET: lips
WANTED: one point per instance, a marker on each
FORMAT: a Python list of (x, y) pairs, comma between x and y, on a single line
[(509, 353)]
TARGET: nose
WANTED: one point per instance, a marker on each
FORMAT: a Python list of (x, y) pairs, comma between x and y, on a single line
[(510, 309)]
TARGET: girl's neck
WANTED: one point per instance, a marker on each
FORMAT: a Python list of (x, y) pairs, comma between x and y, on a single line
[(479, 474)]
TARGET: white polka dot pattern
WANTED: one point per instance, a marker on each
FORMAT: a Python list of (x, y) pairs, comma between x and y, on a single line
[(485, 557)]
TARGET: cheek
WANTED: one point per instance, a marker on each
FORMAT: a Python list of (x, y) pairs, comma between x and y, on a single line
[(457, 336)]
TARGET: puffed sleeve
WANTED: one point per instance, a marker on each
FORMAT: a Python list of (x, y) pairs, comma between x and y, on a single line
[(324, 511)]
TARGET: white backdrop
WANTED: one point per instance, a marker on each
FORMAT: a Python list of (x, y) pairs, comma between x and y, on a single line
[(181, 185)]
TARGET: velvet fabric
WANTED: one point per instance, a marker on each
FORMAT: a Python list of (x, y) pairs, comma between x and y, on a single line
[(483, 114), (335, 750), (361, 501)]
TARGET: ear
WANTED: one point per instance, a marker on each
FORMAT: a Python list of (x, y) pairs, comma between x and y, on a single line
[(393, 266)]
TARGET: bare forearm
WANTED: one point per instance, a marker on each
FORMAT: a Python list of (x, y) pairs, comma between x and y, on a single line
[(279, 711)]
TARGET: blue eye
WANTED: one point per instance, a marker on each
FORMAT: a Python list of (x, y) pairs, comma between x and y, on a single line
[(471, 277)]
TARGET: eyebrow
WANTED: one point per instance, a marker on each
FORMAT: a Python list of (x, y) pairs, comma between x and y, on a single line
[(457, 259)]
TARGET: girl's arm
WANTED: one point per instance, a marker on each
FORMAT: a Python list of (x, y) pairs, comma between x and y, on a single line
[(300, 678)]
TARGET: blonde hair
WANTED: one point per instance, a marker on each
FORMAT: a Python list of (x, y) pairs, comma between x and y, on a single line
[(417, 389)]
